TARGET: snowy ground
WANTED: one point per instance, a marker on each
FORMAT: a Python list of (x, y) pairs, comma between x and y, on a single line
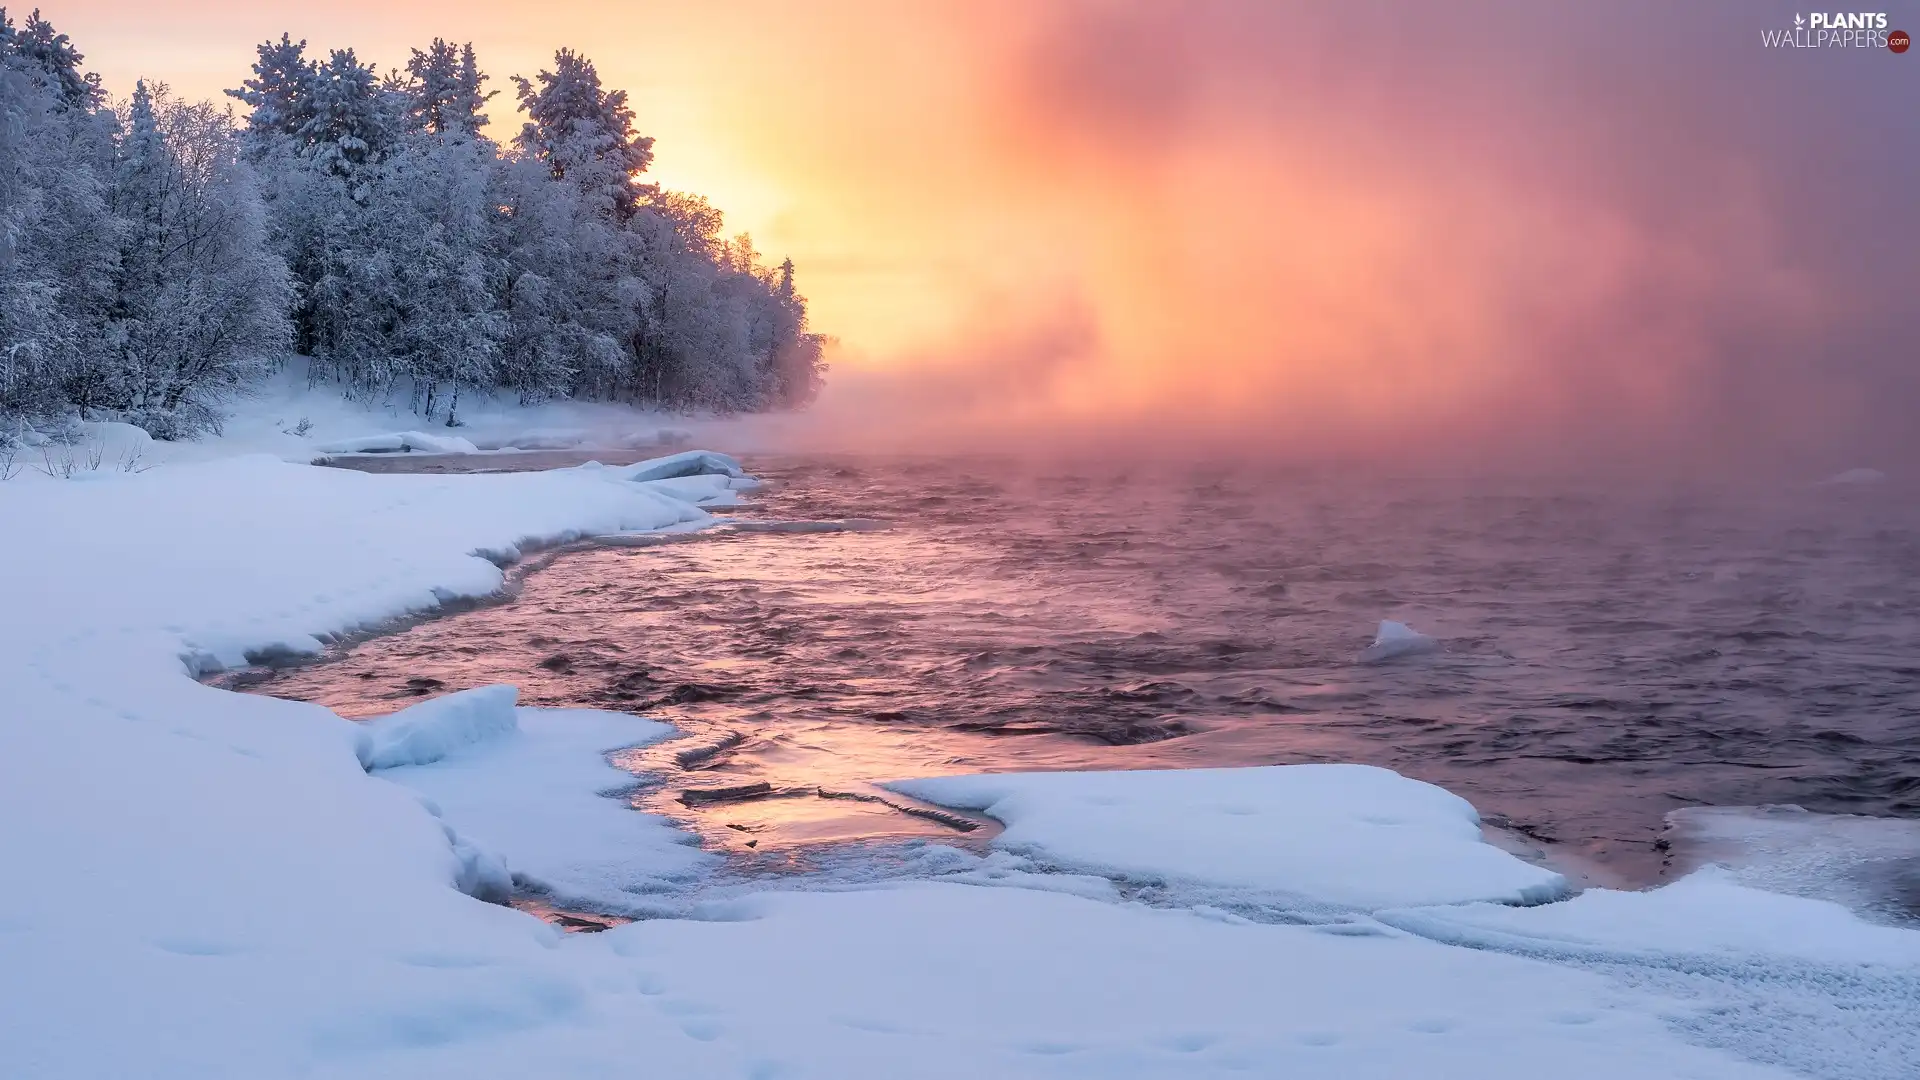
[(290, 420), (209, 884)]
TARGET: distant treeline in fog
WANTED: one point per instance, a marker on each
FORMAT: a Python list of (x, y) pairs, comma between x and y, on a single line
[(159, 256)]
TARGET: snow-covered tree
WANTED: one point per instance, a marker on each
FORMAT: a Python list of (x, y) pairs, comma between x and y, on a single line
[(200, 304), (444, 94), (583, 134), (277, 96), (155, 260), (349, 119), (410, 293), (57, 234), (52, 61)]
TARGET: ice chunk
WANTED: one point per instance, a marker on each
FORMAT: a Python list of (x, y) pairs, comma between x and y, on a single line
[(702, 489), (1349, 836), (400, 442), (1396, 639), (685, 463), (548, 439), (433, 729)]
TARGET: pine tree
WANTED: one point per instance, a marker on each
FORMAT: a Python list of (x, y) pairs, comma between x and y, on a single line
[(443, 91), (584, 134), (434, 88), (54, 62), (139, 194), (469, 106), (277, 95), (348, 123)]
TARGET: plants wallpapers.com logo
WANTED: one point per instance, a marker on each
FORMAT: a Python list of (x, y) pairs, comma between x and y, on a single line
[(1838, 30)]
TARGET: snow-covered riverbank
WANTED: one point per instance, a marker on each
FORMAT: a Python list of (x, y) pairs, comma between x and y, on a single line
[(208, 884)]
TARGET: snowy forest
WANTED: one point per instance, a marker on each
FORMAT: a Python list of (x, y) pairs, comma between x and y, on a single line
[(158, 256)]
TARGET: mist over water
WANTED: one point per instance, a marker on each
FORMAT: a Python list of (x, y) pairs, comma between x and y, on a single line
[(1621, 235), (1607, 654)]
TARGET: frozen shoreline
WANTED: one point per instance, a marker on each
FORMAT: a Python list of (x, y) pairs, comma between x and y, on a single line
[(219, 887)]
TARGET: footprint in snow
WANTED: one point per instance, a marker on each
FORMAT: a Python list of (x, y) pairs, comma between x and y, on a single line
[(1190, 1042), (1320, 1038)]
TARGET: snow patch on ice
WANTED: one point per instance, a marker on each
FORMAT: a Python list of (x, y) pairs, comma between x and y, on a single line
[(1707, 912), (1784, 980), (1871, 865), (1346, 836), (533, 788), (1396, 639)]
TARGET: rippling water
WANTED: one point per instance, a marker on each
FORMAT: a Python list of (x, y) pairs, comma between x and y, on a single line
[(1607, 657)]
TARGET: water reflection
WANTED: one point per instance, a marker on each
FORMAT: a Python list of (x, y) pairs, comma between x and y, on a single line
[(1607, 656)]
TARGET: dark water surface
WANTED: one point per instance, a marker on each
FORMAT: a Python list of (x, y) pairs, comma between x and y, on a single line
[(1607, 657)]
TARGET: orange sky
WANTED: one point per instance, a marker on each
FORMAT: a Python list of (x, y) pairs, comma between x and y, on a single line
[(1335, 223)]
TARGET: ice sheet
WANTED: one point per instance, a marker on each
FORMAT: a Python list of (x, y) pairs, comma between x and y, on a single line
[(1788, 980), (537, 792), (1350, 836), (1871, 865)]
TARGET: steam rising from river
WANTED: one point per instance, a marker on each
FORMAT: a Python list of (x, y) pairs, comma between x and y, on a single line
[(1457, 231)]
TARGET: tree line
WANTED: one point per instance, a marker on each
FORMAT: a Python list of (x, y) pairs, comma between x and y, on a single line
[(159, 256)]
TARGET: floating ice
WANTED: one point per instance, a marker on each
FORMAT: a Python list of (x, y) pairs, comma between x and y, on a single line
[(1857, 476), (400, 442), (1349, 836), (1396, 639), (703, 489), (685, 463)]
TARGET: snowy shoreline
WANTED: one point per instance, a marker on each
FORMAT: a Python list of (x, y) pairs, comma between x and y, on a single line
[(221, 888)]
